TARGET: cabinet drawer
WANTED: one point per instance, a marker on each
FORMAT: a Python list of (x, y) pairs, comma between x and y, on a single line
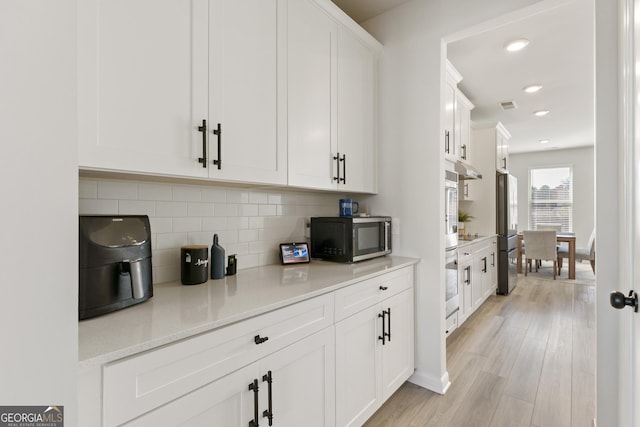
[(451, 324), (352, 299), (141, 383)]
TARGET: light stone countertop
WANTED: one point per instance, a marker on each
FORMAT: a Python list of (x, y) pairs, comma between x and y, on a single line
[(463, 243), (177, 312)]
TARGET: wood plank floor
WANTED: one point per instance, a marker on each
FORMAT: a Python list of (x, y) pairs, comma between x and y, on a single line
[(527, 359)]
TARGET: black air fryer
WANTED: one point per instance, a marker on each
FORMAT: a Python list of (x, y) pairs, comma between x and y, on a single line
[(115, 263)]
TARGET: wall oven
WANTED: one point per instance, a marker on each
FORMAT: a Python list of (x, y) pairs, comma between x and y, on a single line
[(450, 209), (452, 303)]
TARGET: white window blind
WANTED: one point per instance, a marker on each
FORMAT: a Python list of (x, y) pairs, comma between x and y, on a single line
[(551, 198)]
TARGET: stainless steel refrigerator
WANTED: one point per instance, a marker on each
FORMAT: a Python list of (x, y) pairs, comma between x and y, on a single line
[(507, 230)]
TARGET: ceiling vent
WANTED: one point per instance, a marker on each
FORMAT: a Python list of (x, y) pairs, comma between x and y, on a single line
[(508, 105)]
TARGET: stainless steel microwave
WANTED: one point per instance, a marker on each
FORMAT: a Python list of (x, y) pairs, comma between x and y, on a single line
[(345, 239)]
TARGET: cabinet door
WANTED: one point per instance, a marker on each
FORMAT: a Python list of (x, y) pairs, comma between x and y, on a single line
[(225, 402), (480, 275), (142, 70), (243, 91), (311, 59), (449, 121), (303, 382), (356, 113), (463, 123), (397, 352), (465, 278), (358, 367)]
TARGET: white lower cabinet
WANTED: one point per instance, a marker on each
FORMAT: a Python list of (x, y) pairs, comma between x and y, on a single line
[(327, 361), (293, 386), (374, 353), (477, 275)]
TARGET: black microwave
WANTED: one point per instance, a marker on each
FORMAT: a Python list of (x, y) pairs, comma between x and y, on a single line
[(345, 239)]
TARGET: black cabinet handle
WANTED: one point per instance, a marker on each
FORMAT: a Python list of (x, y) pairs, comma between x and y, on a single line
[(259, 340), (504, 163), (384, 288), (493, 259), (484, 264), (254, 386), (389, 324), (344, 169), (337, 159), (446, 141), (203, 129), (218, 133), (269, 412), (464, 151), (383, 337), (468, 279)]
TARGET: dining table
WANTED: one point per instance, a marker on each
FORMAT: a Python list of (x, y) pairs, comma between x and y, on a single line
[(569, 238)]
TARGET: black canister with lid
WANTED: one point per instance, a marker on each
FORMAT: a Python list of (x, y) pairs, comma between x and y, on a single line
[(193, 264)]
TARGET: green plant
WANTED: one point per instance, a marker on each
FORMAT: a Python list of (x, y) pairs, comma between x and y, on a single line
[(464, 216)]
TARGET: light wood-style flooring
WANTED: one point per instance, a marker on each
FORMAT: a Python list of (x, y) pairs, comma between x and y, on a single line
[(527, 359)]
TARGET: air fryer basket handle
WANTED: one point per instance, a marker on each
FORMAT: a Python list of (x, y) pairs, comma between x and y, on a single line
[(137, 289)]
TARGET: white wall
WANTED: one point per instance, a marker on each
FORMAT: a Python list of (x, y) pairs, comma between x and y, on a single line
[(582, 162), (250, 223), (38, 189), (411, 162)]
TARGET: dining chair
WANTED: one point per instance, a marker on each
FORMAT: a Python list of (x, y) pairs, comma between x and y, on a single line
[(541, 245), (588, 253)]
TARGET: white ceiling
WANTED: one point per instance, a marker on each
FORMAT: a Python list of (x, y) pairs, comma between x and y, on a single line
[(560, 56)]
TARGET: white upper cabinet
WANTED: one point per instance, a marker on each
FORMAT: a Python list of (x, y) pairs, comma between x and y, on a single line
[(312, 49), (457, 118), (356, 113), (151, 73), (243, 92), (331, 100), (502, 148), (137, 76)]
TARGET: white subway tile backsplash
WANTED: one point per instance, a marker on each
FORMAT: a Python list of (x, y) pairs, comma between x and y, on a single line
[(154, 192), (137, 207), (200, 209), (248, 210), (214, 224), (171, 209), (88, 190), (186, 224), (161, 225), (117, 190), (259, 198), (238, 222), (187, 193), (171, 240), (97, 207), (235, 196), (220, 209), (247, 235), (214, 195), (249, 223), (267, 210)]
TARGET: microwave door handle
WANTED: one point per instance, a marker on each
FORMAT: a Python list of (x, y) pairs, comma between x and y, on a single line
[(387, 226)]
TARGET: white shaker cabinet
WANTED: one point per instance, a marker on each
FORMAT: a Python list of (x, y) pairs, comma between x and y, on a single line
[(311, 70), (153, 74), (331, 100), (293, 386), (374, 345), (502, 137)]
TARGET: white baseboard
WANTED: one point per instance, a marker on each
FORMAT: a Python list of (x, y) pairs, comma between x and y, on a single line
[(437, 385)]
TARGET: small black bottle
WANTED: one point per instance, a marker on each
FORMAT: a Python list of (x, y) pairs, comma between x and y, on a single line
[(217, 259)]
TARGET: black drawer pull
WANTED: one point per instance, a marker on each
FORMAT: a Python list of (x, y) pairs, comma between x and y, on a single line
[(254, 387), (384, 288), (259, 340), (269, 412)]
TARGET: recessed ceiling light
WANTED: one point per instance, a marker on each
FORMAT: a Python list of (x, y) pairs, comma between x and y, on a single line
[(544, 141), (541, 113), (516, 45), (532, 88)]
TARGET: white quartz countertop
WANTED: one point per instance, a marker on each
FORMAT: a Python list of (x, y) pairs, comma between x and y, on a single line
[(469, 240), (177, 312)]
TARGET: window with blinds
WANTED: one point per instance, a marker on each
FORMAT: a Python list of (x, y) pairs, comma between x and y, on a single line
[(551, 198)]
